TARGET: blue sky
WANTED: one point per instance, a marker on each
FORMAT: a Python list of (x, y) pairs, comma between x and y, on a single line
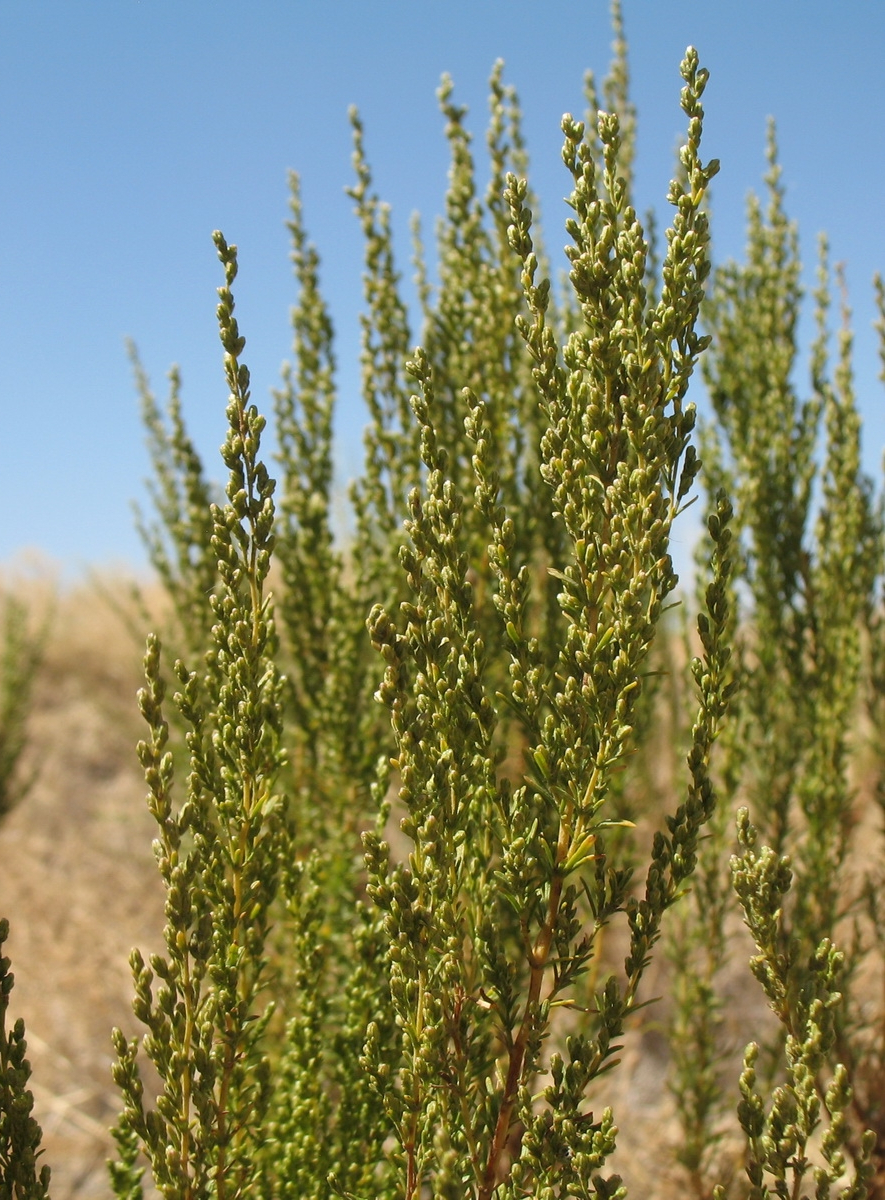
[(130, 129)]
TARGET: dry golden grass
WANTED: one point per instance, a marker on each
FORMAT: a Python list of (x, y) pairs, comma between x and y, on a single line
[(78, 882)]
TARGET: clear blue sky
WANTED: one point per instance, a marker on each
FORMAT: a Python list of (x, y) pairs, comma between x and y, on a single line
[(130, 129)]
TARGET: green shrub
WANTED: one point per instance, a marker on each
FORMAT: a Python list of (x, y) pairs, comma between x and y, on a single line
[(20, 1134), (21, 651), (417, 790)]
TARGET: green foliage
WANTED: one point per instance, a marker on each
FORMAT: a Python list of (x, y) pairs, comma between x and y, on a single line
[(20, 1176), (222, 854), (809, 575), (810, 539), (406, 787), (803, 991), (469, 953), (179, 545)]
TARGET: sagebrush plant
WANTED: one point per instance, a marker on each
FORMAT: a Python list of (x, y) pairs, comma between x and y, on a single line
[(223, 853), (492, 923), (22, 1177), (802, 988), (810, 555), (404, 789), (22, 646)]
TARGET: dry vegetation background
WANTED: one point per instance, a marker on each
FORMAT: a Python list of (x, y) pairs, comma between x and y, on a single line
[(77, 879), (79, 886)]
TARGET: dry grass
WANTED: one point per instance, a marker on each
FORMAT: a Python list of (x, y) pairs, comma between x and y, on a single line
[(78, 883)]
